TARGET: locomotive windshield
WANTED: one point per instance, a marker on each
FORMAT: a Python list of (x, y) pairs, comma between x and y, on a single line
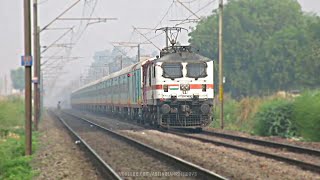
[(172, 70), (196, 70)]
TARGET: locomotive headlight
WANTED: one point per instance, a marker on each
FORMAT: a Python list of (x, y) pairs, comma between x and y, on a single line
[(165, 88), (205, 108), (165, 108), (204, 88)]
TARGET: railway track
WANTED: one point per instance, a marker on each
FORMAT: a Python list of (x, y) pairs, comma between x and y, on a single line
[(104, 168), (156, 153), (288, 147), (282, 148)]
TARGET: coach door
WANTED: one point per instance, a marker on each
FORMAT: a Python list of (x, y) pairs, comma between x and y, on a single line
[(144, 83)]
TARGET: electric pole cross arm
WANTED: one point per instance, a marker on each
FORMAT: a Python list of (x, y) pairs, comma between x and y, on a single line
[(65, 11), (148, 39), (57, 40), (88, 19), (131, 45), (188, 9)]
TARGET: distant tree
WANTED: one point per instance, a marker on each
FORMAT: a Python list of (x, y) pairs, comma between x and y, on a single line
[(17, 78)]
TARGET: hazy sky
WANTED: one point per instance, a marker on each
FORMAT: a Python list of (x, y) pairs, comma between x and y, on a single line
[(140, 13)]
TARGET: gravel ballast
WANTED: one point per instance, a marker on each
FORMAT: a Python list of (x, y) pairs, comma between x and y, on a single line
[(229, 162), (126, 160)]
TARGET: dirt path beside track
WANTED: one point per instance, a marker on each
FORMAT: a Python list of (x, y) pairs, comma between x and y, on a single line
[(58, 157)]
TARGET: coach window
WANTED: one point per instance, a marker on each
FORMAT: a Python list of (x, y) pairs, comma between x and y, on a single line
[(154, 71)]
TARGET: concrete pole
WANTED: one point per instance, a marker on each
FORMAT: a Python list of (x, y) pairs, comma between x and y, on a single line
[(221, 62), (39, 75), (27, 53), (36, 99), (139, 53)]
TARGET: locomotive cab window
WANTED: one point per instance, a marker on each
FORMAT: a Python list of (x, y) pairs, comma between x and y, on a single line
[(172, 70), (196, 70)]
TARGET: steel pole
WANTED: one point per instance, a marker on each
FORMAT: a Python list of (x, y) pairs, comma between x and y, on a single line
[(221, 62), (27, 52)]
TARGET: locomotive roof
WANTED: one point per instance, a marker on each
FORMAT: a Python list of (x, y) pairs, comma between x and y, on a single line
[(183, 57)]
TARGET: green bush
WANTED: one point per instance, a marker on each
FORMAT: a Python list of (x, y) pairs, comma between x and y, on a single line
[(307, 115), (274, 119)]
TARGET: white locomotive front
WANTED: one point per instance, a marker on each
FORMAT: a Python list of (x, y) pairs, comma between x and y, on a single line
[(178, 89)]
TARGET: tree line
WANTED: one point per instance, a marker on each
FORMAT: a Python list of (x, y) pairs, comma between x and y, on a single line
[(268, 46)]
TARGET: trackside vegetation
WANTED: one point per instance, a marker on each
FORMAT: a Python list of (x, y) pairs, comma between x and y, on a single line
[(13, 164), (275, 116), (306, 115)]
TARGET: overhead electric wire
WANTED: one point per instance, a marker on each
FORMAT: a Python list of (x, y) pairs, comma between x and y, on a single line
[(205, 6), (165, 15)]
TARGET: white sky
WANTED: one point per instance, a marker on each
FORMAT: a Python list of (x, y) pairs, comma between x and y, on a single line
[(97, 37)]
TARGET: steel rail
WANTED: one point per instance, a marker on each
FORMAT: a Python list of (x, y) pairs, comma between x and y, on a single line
[(288, 147), (202, 172), (104, 168)]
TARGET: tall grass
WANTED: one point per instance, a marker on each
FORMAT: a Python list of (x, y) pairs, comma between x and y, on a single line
[(230, 114), (11, 113), (238, 114)]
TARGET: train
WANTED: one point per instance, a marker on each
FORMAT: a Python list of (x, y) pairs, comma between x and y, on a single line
[(173, 90)]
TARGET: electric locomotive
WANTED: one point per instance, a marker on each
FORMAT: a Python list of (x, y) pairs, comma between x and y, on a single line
[(173, 90)]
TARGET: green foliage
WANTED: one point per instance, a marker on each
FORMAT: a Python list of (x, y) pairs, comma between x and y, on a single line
[(17, 78), (14, 165), (306, 115), (268, 45), (274, 119)]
